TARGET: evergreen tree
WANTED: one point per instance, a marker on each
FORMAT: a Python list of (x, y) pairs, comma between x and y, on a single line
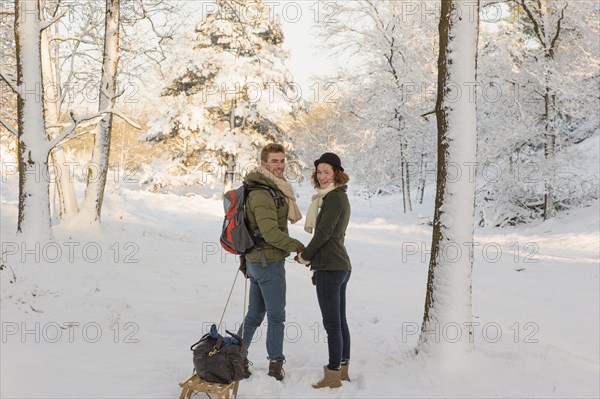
[(231, 92)]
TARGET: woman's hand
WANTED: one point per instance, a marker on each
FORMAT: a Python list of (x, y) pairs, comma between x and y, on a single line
[(298, 258)]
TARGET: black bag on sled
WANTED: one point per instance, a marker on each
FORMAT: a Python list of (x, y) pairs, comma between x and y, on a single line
[(220, 359)]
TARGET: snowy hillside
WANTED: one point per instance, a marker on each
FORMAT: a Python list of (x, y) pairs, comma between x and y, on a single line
[(111, 313)]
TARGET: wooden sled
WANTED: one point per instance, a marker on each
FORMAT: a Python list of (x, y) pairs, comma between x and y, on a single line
[(196, 384)]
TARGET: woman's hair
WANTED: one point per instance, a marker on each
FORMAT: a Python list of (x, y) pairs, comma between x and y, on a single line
[(339, 178), (269, 149)]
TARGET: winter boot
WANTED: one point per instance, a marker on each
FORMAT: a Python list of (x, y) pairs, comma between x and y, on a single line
[(344, 374), (276, 369), (331, 379)]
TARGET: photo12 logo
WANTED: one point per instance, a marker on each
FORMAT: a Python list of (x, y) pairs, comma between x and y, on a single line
[(489, 252), (253, 12), (69, 252), (73, 171), (490, 332), (70, 331)]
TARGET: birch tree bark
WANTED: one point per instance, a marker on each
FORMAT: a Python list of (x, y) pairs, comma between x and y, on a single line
[(50, 77), (445, 330), (32, 156), (91, 206)]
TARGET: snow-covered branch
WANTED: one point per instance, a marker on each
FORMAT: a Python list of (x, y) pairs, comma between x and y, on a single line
[(85, 121), (493, 3), (537, 28), (128, 120), (75, 136), (147, 16), (357, 115), (70, 38), (558, 23), (46, 24), (11, 81), (72, 63), (8, 126), (69, 130)]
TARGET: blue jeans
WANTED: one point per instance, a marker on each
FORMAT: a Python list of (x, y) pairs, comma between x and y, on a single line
[(331, 293), (267, 295)]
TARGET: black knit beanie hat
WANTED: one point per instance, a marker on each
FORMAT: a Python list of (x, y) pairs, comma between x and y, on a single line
[(331, 159)]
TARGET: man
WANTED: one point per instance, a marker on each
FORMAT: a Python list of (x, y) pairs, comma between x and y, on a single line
[(265, 266)]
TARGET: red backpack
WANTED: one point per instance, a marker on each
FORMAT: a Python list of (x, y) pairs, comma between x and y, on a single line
[(236, 237)]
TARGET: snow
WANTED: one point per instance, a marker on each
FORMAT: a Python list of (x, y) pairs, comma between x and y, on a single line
[(161, 280)]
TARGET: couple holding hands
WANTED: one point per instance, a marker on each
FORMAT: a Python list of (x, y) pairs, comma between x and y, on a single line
[(326, 255)]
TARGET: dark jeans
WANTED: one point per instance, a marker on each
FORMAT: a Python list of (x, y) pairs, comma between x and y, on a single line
[(331, 293), (267, 295)]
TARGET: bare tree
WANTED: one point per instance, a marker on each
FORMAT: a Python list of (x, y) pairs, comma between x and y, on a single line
[(52, 104), (34, 145), (91, 206), (545, 18), (397, 57), (448, 298)]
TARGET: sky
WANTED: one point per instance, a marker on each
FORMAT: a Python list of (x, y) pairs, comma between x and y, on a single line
[(300, 21)]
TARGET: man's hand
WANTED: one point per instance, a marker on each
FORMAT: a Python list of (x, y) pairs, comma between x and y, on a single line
[(243, 268), (298, 258), (300, 248)]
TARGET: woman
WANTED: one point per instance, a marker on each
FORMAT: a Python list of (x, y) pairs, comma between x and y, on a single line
[(327, 256)]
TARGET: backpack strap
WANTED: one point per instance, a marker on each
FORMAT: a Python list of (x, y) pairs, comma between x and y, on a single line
[(276, 197)]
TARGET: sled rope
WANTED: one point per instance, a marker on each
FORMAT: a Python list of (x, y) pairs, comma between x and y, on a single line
[(229, 297), (244, 310)]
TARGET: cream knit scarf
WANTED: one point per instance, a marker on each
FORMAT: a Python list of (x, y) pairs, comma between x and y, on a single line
[(313, 209), (286, 188)]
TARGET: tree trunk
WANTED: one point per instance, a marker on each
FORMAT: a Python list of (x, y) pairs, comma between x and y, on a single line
[(422, 178), (549, 149), (404, 172), (445, 330), (91, 206), (547, 33), (229, 174), (34, 205), (406, 187), (64, 184)]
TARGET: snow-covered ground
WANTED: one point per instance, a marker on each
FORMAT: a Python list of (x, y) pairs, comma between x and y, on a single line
[(111, 313)]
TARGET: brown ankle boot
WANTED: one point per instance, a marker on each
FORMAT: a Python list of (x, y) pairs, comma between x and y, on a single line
[(344, 372), (276, 369), (331, 379)]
